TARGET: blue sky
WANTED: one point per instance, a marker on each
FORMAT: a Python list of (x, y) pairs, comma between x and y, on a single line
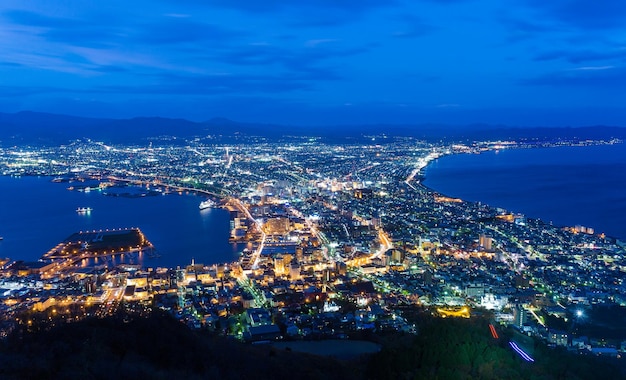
[(314, 62)]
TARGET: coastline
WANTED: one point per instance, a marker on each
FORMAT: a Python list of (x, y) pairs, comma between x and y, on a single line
[(187, 234), (423, 175)]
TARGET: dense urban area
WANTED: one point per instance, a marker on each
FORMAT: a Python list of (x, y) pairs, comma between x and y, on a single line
[(340, 239)]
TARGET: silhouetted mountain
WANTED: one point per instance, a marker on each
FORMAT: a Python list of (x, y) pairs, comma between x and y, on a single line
[(44, 128), (34, 127), (227, 127), (220, 121)]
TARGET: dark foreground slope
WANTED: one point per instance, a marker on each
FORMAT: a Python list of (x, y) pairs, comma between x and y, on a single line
[(464, 349), (159, 347)]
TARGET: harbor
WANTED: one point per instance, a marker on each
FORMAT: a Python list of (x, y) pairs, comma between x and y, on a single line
[(173, 223), (84, 247)]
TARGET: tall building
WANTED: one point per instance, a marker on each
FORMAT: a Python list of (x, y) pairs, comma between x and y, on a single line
[(397, 256), (279, 264), (475, 291), (485, 241), (294, 271), (279, 225), (519, 316)]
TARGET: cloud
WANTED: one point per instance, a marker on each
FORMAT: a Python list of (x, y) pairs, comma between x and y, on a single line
[(91, 32), (182, 30), (28, 18), (305, 62), (90, 44), (314, 43), (296, 13), (583, 14), (177, 15), (86, 36), (595, 68), (586, 77), (412, 26), (176, 85), (521, 29), (21, 91), (77, 32), (10, 64), (160, 46), (581, 56), (268, 6)]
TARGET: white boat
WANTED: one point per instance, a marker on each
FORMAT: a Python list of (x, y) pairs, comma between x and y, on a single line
[(83, 210), (206, 204)]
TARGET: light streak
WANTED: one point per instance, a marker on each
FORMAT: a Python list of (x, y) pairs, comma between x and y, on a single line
[(541, 322), (494, 333), (521, 352)]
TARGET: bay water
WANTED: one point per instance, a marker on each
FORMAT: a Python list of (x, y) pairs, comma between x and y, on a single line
[(564, 185), (36, 214)]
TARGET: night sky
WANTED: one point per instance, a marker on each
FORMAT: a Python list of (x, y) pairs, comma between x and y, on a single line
[(316, 62)]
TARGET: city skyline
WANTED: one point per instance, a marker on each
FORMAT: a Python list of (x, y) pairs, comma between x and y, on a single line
[(526, 63)]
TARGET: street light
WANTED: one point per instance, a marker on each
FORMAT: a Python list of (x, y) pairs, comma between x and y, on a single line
[(579, 313)]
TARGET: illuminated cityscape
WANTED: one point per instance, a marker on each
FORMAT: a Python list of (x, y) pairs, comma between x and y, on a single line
[(338, 239), (428, 189)]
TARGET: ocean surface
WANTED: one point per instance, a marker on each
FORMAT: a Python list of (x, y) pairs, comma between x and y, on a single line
[(36, 214), (567, 186)]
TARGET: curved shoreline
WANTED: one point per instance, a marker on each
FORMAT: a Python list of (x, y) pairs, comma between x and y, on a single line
[(529, 214), (197, 235)]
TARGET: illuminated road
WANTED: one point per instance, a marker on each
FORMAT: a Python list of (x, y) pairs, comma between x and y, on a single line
[(256, 255), (250, 287), (327, 248), (528, 249), (537, 317), (421, 164), (111, 300), (385, 244), (243, 280)]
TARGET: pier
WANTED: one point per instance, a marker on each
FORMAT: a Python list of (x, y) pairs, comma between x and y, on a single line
[(94, 244)]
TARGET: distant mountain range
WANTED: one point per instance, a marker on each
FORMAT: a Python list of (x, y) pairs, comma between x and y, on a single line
[(51, 129)]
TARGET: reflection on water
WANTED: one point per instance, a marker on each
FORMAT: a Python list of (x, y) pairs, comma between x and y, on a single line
[(36, 214)]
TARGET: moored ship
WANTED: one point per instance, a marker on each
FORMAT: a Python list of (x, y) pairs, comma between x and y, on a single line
[(206, 204)]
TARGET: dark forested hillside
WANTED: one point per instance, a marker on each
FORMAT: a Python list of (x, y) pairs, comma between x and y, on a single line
[(159, 347)]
